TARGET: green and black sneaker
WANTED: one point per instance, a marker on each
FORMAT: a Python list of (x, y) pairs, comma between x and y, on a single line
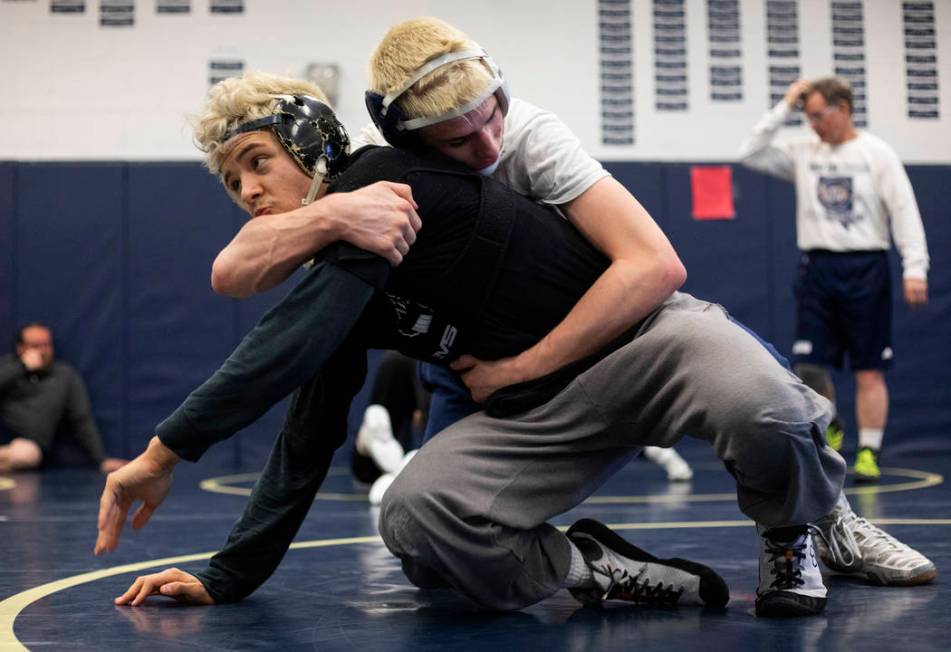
[(866, 466), (835, 435)]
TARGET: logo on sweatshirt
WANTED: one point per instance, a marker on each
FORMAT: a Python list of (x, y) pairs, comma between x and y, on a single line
[(835, 195)]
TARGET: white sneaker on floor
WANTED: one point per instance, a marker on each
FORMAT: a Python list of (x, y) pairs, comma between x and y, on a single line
[(379, 487), (375, 439), (790, 583), (850, 544), (673, 464)]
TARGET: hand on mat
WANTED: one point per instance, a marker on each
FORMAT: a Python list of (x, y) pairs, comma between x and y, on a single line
[(172, 583), (485, 377), (147, 478), (380, 218)]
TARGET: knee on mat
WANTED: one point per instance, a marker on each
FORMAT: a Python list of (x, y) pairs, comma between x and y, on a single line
[(405, 513), (24, 454)]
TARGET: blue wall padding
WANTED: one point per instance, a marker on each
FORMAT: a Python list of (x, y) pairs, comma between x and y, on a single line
[(7, 252), (69, 253), (116, 257)]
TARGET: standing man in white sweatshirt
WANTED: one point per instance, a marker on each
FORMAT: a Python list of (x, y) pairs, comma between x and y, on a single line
[(852, 198)]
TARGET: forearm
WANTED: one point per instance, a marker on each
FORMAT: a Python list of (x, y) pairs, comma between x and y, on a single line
[(81, 422), (379, 218), (644, 271), (621, 297), (316, 424), (257, 544), (269, 248), (87, 435), (759, 153), (288, 346), (908, 231)]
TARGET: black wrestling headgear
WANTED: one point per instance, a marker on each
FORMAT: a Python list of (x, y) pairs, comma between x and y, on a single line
[(310, 132)]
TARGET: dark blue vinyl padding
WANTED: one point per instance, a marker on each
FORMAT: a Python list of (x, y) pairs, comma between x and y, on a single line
[(116, 257)]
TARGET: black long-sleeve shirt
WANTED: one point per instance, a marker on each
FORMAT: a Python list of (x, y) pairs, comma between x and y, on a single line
[(490, 274), (38, 405)]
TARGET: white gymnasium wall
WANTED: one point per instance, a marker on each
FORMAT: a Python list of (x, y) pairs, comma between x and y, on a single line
[(74, 90)]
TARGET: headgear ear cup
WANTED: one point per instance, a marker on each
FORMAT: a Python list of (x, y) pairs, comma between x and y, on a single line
[(387, 120)]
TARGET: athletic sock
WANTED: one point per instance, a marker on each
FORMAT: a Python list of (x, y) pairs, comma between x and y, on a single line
[(579, 573), (871, 438)]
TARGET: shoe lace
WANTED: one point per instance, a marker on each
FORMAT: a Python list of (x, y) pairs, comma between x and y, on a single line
[(843, 543), (874, 537), (786, 560), (638, 588), (839, 540)]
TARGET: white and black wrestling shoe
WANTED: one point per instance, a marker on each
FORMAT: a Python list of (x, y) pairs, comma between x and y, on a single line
[(622, 571), (790, 582), (848, 543)]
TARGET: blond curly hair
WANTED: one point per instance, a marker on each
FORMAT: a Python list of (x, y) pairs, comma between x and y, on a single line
[(236, 100)]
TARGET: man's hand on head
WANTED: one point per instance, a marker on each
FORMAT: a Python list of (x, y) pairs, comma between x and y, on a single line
[(796, 93), (31, 359), (380, 218)]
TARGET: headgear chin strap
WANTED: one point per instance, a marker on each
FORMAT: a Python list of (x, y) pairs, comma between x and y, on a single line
[(392, 122), (310, 132)]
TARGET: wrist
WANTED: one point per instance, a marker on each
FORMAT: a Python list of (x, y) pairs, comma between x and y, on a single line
[(327, 225), (161, 454), (527, 366)]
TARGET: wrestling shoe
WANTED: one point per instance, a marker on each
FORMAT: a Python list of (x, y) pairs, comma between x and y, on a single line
[(866, 466), (622, 571), (379, 487), (673, 464), (375, 439), (790, 583), (835, 435), (850, 544)]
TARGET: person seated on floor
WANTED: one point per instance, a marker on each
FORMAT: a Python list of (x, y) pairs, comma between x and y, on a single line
[(44, 403)]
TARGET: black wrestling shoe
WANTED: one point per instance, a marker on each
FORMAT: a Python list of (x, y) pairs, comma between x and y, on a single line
[(622, 571)]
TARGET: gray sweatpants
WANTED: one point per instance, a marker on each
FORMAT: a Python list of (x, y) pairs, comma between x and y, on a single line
[(470, 510)]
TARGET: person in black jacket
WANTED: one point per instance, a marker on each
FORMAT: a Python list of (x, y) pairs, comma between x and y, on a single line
[(42, 399), (489, 275)]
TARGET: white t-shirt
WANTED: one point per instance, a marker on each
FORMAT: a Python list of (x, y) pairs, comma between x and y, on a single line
[(848, 196), (540, 158)]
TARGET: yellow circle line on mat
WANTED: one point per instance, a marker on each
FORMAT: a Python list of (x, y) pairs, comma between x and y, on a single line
[(222, 485), (7, 483), (922, 479), (14, 605)]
